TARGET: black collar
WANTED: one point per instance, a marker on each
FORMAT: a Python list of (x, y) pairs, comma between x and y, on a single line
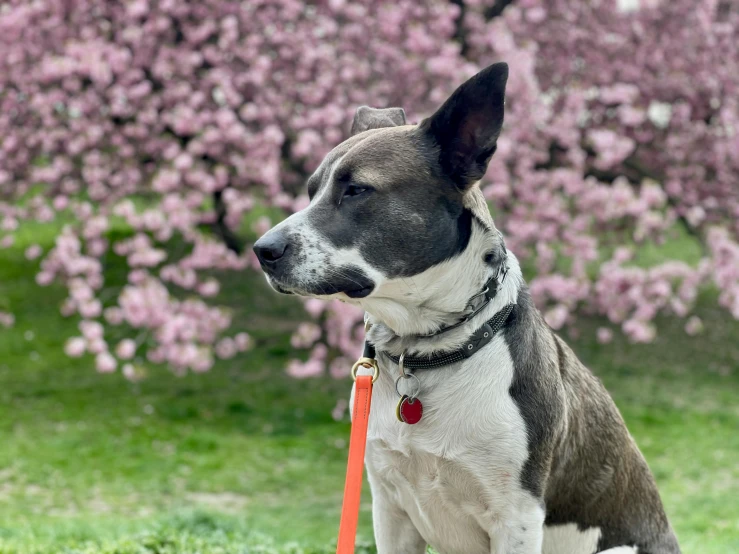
[(482, 336)]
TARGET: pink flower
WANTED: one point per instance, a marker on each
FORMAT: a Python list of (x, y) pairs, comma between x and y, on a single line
[(33, 252), (340, 368), (305, 335), (105, 363), (75, 347), (97, 346), (226, 348), (261, 225), (557, 316), (639, 331), (314, 306), (129, 372), (209, 287), (91, 330), (340, 409), (694, 326), (126, 349), (113, 315), (7, 319), (91, 308), (605, 335), (243, 342), (44, 278), (302, 370)]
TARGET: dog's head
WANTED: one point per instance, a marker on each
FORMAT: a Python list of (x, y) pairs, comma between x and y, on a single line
[(389, 202)]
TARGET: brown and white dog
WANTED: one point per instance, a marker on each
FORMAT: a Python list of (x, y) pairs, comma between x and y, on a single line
[(520, 449)]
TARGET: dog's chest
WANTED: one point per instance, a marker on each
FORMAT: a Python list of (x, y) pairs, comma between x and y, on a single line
[(456, 472)]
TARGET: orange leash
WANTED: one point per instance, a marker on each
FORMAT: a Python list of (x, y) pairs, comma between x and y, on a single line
[(357, 446)]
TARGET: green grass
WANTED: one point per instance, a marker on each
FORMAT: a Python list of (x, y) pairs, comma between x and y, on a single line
[(244, 459)]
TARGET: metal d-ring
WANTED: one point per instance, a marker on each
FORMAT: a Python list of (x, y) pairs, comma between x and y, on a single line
[(418, 385), (403, 374)]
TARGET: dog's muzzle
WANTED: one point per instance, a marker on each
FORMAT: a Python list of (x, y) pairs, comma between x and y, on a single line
[(279, 260)]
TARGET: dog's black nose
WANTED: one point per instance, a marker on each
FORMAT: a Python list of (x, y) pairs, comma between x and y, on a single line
[(270, 248)]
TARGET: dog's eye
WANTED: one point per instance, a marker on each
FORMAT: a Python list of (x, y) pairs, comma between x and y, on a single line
[(355, 190)]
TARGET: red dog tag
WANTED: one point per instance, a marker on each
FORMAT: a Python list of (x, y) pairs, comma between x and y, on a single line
[(410, 410)]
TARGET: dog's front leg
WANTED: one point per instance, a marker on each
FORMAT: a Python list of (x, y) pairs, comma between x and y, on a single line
[(522, 532), (394, 530)]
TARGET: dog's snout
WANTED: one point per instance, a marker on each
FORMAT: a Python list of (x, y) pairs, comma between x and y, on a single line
[(270, 248)]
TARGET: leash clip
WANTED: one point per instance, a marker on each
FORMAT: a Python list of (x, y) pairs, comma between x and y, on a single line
[(367, 363)]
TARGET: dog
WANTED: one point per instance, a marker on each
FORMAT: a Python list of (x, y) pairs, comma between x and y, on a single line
[(519, 448)]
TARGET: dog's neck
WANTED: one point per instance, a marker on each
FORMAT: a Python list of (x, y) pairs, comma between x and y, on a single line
[(402, 309)]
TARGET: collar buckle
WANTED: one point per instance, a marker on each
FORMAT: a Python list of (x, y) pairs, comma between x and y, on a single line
[(477, 340)]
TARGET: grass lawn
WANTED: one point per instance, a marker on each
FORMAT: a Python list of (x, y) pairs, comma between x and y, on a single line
[(244, 459)]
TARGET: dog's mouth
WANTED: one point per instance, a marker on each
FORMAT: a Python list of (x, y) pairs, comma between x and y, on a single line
[(355, 286), (280, 288)]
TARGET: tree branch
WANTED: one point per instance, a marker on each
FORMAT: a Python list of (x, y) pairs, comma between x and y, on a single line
[(460, 33), (496, 9), (230, 239)]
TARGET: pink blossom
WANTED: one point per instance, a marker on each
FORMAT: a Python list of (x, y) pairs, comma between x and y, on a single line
[(91, 308), (243, 342), (605, 335), (96, 346), (639, 331), (693, 326), (91, 330), (226, 348), (302, 370), (7, 319), (305, 335), (75, 347), (588, 163), (340, 368), (129, 372), (33, 252), (314, 306), (44, 278), (557, 316), (209, 287), (262, 225), (340, 409), (105, 363), (126, 349)]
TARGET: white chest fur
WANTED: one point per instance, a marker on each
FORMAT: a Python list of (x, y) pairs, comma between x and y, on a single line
[(455, 473)]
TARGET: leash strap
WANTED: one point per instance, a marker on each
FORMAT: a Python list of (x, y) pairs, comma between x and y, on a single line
[(355, 465)]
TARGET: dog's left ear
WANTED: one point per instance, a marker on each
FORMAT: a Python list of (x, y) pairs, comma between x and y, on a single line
[(467, 126), (373, 118)]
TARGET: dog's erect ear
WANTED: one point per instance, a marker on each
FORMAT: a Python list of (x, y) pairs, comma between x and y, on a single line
[(467, 126), (373, 118)]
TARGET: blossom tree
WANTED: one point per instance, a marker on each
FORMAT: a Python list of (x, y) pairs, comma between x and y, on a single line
[(173, 120)]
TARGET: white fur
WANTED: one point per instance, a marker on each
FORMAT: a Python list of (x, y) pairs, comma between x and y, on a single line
[(568, 539), (452, 479)]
